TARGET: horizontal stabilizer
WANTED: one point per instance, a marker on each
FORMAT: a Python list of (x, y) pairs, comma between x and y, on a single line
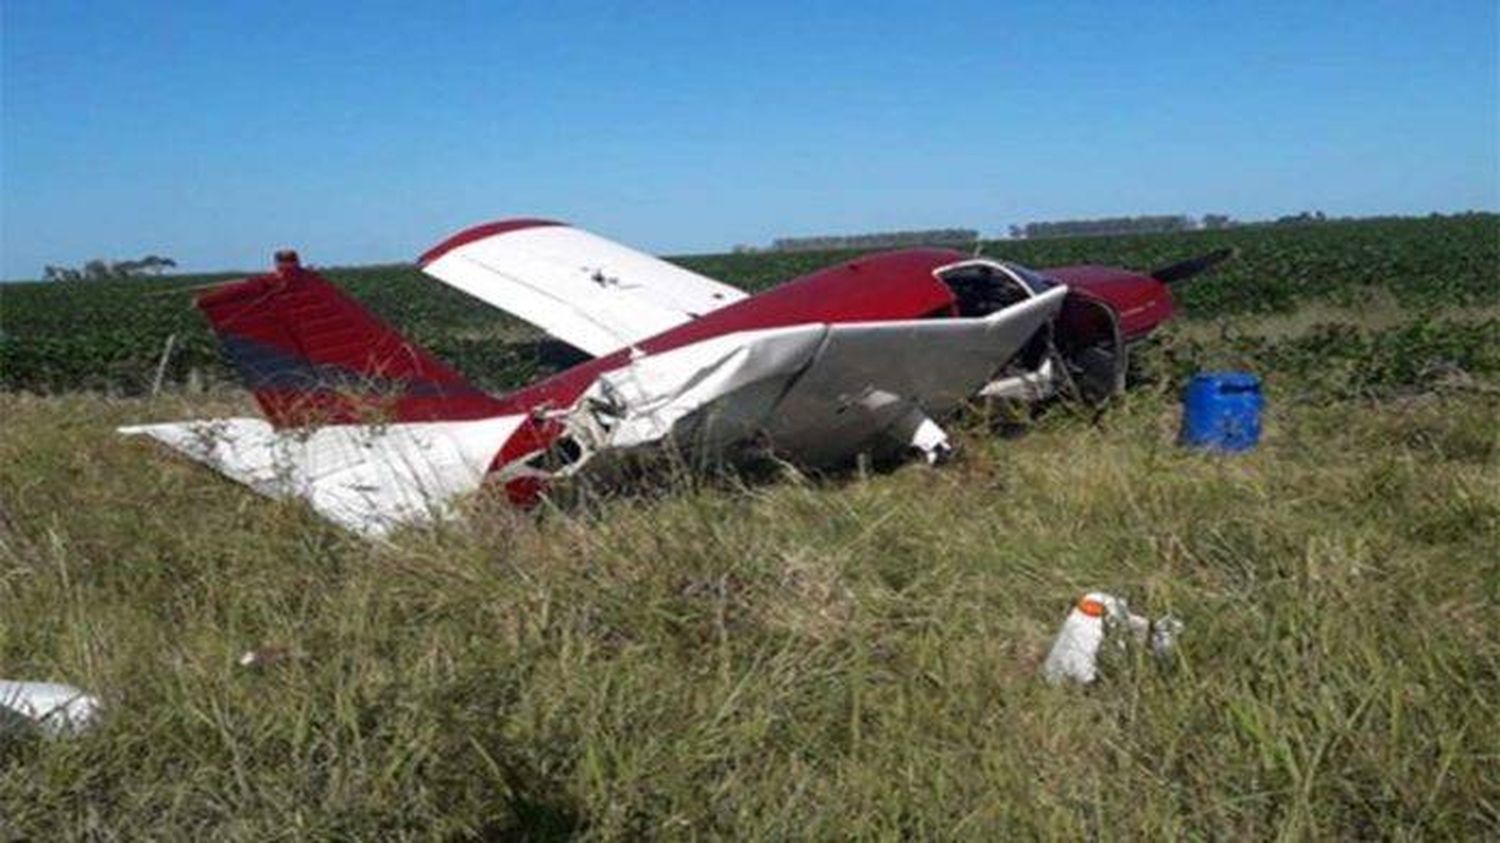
[(367, 478)]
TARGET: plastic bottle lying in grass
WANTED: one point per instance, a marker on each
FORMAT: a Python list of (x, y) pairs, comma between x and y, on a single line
[(53, 708), (1095, 617)]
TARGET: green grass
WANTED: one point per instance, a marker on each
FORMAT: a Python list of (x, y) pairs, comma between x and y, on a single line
[(794, 659)]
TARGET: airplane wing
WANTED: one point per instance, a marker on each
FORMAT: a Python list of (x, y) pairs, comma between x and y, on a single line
[(579, 287), (871, 379), (822, 392)]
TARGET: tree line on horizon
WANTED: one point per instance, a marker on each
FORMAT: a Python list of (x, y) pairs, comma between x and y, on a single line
[(961, 237), (967, 238), (1170, 223), (99, 269)]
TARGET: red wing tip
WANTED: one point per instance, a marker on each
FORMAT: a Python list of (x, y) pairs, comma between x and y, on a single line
[(479, 232)]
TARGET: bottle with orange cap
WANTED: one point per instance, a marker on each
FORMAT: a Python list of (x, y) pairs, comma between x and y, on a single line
[(1075, 652)]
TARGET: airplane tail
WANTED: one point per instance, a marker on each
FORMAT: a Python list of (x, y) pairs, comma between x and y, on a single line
[(314, 356)]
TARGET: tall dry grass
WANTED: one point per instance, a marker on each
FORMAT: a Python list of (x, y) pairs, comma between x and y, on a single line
[(799, 658)]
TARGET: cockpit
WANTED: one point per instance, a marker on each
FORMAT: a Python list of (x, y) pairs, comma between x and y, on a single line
[(1085, 356), (982, 287)]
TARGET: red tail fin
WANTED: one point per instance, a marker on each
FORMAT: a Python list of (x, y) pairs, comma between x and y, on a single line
[(312, 355)]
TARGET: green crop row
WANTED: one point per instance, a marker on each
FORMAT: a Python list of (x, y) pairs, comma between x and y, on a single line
[(1338, 360), (112, 335)]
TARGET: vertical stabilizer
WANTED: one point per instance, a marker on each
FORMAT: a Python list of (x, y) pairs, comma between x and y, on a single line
[(312, 355)]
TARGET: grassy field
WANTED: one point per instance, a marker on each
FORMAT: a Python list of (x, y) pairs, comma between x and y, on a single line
[(805, 657), (799, 658)]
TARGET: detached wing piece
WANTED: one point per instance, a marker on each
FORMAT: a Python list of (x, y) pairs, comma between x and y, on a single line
[(585, 290)]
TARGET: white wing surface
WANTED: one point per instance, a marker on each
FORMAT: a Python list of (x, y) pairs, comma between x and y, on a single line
[(579, 287)]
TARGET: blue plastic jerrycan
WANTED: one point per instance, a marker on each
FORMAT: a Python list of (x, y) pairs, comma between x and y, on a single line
[(1221, 411)]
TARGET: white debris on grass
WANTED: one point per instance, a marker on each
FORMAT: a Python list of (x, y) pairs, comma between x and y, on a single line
[(268, 655), (1095, 617), (55, 709)]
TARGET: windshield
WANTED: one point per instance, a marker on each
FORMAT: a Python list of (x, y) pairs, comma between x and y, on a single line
[(1038, 282), (981, 288)]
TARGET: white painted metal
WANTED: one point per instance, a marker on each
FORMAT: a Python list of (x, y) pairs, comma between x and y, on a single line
[(869, 376), (587, 291), (54, 708), (368, 478), (822, 393), (1026, 386), (735, 379), (929, 440)]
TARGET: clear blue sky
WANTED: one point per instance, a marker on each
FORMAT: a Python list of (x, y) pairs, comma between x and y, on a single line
[(215, 132)]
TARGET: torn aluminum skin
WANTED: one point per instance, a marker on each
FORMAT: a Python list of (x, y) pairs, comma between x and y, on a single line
[(819, 393)]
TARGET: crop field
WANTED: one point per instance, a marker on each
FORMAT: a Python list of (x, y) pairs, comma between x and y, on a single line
[(794, 656), (111, 336)]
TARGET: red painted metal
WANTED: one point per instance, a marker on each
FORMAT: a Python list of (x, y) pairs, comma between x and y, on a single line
[(534, 434), (312, 355), (1141, 302)]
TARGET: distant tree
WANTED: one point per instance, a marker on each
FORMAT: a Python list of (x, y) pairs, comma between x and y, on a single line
[(1304, 218), (61, 273), (1017, 232), (99, 269), (156, 264), (1214, 222)]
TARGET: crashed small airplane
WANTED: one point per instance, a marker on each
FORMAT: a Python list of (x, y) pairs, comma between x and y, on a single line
[(864, 357)]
